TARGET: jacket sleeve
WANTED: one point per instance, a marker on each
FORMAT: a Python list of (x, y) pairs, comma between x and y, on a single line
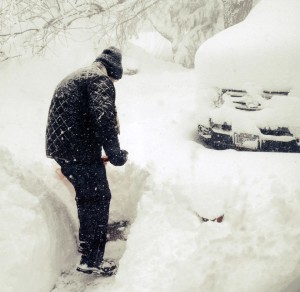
[(103, 112)]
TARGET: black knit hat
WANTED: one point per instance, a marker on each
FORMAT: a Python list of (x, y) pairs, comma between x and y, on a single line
[(111, 58)]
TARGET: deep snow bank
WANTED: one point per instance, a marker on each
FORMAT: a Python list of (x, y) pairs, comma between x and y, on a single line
[(254, 249), (37, 230)]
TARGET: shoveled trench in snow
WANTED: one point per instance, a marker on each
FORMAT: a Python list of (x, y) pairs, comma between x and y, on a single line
[(140, 132), (39, 220)]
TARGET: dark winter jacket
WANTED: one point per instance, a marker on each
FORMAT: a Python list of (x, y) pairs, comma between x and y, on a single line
[(83, 118)]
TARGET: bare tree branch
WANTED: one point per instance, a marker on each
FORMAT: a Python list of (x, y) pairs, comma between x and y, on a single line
[(18, 33), (33, 24)]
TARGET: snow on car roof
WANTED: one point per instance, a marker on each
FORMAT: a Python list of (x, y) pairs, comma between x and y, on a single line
[(262, 51)]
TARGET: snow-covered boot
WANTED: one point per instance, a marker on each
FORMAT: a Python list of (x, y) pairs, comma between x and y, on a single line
[(107, 268)]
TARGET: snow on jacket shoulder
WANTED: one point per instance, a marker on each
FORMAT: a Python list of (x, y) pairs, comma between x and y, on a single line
[(83, 118)]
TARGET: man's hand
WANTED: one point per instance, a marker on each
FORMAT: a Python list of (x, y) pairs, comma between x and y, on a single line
[(105, 159)]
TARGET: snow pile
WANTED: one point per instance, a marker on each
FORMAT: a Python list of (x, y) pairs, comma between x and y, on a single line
[(127, 185), (261, 51), (34, 223), (254, 249)]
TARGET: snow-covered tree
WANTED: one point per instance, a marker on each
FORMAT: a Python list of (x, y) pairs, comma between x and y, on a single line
[(186, 24), (30, 25)]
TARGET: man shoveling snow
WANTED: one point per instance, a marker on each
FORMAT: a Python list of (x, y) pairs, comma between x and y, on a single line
[(83, 119)]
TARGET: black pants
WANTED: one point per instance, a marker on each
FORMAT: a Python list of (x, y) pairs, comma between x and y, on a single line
[(93, 199)]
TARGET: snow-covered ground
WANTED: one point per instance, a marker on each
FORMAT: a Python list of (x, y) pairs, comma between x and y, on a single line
[(167, 185)]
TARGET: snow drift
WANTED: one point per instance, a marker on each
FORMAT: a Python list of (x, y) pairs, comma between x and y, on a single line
[(37, 231), (254, 249)]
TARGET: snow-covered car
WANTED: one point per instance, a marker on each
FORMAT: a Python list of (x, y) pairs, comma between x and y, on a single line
[(249, 77)]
